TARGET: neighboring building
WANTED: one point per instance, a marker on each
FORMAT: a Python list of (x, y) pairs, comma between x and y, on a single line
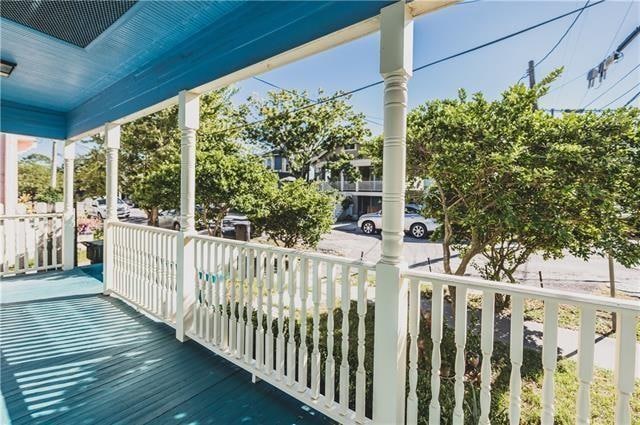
[(11, 146), (366, 194)]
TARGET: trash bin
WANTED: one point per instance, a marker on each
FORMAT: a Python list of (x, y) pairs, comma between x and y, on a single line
[(95, 251), (243, 230)]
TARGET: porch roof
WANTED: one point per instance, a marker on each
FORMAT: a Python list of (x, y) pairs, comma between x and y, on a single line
[(79, 66)]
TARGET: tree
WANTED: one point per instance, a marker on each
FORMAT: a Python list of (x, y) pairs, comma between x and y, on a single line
[(226, 179), (150, 146), (34, 179), (298, 214), (511, 180), (314, 133)]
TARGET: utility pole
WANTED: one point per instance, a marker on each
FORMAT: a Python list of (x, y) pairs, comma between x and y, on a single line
[(54, 170), (532, 74)]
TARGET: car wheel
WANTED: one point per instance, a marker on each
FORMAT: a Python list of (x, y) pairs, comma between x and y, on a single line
[(418, 230), (100, 216), (176, 226), (368, 227)]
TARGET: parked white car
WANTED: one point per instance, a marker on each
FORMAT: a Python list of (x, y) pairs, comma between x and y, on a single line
[(414, 224), (99, 209), (170, 219)]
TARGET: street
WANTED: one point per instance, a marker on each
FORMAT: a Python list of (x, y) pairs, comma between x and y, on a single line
[(568, 273)]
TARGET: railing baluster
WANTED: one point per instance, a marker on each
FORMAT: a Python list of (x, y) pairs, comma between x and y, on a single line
[(242, 271), (585, 363), (329, 367), (436, 359), (549, 360), (460, 363), (233, 326), (486, 342), (36, 246), (315, 356), (361, 373), (515, 353), (414, 332), (302, 350), (280, 339), (259, 315), (54, 244), (345, 301), (224, 311), (248, 329), (164, 282), (217, 303), (269, 338), (291, 343), (625, 365)]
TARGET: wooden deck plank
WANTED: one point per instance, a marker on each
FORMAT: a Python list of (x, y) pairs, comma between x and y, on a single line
[(93, 359)]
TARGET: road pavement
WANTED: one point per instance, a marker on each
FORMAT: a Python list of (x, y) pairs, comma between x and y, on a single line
[(568, 273)]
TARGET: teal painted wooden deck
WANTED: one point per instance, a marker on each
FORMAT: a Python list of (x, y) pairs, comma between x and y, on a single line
[(90, 359)]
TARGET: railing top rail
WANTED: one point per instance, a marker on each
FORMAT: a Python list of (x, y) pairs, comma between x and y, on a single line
[(253, 245), (142, 227), (560, 296), (27, 216)]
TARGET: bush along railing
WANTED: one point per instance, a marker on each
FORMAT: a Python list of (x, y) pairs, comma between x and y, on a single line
[(144, 268), (464, 367), (30, 243), (295, 320)]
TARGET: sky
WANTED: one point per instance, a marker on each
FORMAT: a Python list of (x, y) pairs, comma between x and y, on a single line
[(490, 70)]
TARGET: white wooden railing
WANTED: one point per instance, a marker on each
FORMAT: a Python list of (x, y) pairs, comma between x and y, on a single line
[(247, 296), (144, 268), (277, 313), (426, 291), (30, 243)]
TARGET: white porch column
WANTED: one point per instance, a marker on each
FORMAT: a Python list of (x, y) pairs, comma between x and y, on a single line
[(68, 232), (112, 143), (189, 121), (389, 367)]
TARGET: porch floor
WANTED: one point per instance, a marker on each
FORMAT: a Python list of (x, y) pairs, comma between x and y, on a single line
[(92, 359)]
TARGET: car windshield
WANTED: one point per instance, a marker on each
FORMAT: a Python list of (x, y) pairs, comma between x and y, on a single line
[(101, 202)]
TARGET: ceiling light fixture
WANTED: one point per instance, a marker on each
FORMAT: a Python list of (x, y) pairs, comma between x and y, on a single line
[(6, 68)]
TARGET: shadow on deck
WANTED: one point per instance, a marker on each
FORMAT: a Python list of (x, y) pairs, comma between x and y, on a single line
[(92, 359)]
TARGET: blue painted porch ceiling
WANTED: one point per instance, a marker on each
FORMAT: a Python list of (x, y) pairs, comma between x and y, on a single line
[(154, 50)]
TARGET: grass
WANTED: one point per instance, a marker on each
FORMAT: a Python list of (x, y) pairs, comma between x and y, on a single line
[(568, 315), (566, 381)]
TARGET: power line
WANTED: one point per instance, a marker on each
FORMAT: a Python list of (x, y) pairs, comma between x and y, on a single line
[(622, 95), (293, 92), (421, 67), (632, 99), (508, 36), (614, 84), (567, 31), (567, 83), (624, 18)]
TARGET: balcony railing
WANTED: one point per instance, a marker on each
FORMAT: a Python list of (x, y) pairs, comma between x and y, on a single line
[(303, 322), (30, 243)]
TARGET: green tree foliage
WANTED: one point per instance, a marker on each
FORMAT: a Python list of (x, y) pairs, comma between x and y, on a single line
[(34, 179), (315, 133), (297, 214), (511, 180)]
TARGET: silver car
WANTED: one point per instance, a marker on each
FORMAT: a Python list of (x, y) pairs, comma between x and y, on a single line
[(414, 224), (99, 209)]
